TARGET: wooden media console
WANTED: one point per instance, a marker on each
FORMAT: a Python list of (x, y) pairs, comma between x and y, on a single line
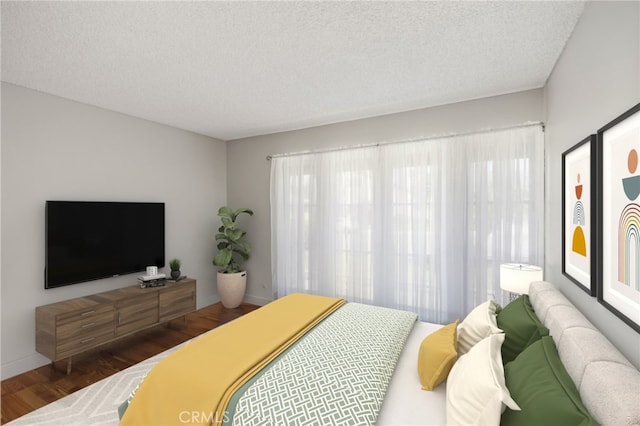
[(70, 327)]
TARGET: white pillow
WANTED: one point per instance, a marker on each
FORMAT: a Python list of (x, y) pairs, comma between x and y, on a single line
[(480, 323), (476, 390)]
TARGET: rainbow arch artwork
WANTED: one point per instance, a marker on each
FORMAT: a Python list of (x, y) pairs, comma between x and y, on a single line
[(629, 246), (579, 242), (578, 213)]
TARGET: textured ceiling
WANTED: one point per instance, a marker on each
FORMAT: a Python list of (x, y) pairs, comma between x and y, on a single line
[(237, 69)]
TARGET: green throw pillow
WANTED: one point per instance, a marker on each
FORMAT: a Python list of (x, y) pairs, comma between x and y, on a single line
[(521, 327), (540, 385)]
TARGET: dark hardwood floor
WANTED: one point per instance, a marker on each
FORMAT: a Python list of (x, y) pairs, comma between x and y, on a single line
[(31, 390)]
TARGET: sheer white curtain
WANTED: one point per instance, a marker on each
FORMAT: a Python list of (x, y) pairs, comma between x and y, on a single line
[(421, 226)]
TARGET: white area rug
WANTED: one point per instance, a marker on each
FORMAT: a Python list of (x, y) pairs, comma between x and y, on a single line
[(97, 404)]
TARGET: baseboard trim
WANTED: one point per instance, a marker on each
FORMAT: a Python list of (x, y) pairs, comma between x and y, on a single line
[(255, 300), (201, 303), (22, 365)]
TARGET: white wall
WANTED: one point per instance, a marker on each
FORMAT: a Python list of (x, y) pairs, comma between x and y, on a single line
[(54, 148), (248, 169), (596, 79)]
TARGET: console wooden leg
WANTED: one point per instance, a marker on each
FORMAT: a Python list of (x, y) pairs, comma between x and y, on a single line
[(177, 323), (59, 366)]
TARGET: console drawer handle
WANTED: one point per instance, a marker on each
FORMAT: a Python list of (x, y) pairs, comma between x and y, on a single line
[(91, 324), (84, 314), (87, 340)]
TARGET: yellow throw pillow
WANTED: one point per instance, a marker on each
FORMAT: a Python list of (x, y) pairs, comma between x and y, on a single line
[(438, 352)]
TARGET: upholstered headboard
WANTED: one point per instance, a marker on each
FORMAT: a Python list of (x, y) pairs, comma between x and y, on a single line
[(608, 383)]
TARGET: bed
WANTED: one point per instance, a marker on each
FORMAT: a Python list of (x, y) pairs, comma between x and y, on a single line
[(607, 385)]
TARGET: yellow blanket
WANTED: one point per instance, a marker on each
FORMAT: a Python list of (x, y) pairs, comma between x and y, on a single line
[(194, 384)]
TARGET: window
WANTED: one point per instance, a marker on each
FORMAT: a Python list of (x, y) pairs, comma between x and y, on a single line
[(421, 226)]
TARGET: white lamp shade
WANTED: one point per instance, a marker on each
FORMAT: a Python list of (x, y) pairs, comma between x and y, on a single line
[(516, 277)]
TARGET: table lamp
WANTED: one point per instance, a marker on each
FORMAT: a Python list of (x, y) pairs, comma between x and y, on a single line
[(516, 277)]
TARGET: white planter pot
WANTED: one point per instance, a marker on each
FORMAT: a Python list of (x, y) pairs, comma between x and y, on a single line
[(231, 288)]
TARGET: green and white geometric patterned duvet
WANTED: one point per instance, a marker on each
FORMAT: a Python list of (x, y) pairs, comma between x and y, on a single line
[(336, 374)]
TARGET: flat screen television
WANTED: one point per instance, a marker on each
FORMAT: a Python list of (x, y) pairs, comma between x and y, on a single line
[(89, 240)]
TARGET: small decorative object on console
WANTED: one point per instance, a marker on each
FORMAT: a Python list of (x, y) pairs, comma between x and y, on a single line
[(153, 283), (174, 264), (146, 281)]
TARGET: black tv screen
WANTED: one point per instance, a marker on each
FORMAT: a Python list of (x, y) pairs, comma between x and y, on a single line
[(88, 240)]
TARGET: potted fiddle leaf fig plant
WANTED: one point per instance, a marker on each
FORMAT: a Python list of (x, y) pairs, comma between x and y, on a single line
[(233, 251)]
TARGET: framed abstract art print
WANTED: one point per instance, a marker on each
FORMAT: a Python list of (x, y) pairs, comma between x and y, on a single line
[(578, 214), (618, 198)]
